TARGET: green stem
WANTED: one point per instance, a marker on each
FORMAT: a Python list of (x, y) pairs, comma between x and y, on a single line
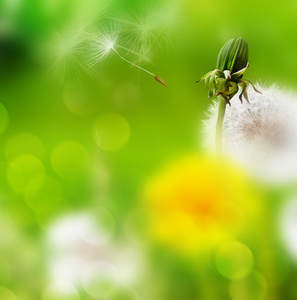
[(220, 122)]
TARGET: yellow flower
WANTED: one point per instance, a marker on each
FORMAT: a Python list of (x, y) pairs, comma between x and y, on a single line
[(199, 203)]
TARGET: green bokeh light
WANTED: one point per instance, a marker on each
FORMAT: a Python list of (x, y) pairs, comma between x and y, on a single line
[(60, 291), (111, 132), (22, 170), (100, 280), (44, 195), (254, 286), (70, 159), (234, 260), (7, 294), (24, 143), (124, 293)]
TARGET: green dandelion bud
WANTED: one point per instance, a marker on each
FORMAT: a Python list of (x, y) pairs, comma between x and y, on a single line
[(226, 80), (233, 56)]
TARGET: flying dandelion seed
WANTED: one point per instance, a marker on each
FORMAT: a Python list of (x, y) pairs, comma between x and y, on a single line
[(106, 41), (64, 52), (85, 20), (142, 33), (148, 27), (102, 43)]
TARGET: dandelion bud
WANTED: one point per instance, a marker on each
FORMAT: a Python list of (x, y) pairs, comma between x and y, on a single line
[(226, 79), (233, 56)]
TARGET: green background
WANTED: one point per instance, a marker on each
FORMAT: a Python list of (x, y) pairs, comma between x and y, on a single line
[(146, 126)]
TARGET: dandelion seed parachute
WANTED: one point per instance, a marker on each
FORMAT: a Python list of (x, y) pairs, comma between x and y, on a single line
[(106, 41), (64, 55), (261, 135), (64, 51), (102, 43), (147, 27)]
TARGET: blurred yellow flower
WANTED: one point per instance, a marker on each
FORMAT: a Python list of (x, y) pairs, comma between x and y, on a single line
[(199, 203)]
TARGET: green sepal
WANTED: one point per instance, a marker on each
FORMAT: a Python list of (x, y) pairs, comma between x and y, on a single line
[(222, 85), (210, 94), (207, 74)]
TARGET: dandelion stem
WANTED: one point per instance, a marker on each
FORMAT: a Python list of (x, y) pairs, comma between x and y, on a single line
[(132, 62), (220, 122)]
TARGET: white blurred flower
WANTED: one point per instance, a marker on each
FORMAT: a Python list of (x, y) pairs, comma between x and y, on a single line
[(84, 254), (261, 135)]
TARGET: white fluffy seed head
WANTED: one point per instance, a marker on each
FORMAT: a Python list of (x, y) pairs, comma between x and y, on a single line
[(261, 135)]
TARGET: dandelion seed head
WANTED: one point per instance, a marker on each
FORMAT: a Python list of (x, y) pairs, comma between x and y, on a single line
[(262, 135), (64, 50), (109, 45), (64, 54), (102, 42), (141, 33), (147, 28)]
